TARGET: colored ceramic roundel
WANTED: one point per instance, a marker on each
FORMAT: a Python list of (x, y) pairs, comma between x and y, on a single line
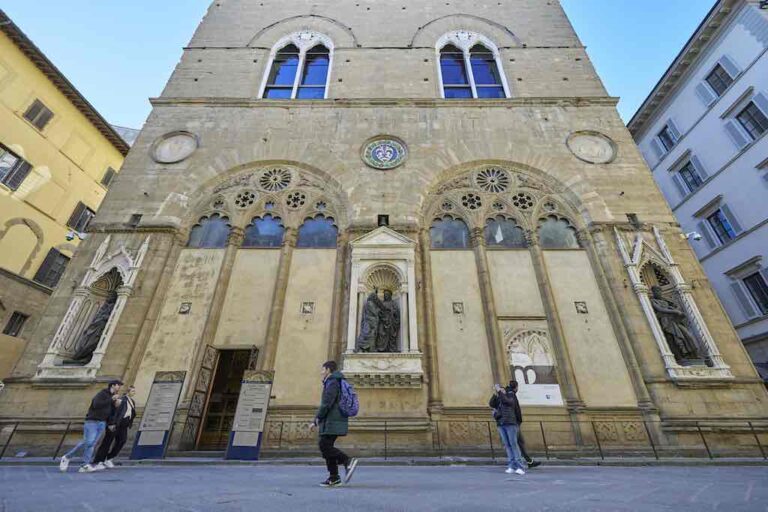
[(384, 153)]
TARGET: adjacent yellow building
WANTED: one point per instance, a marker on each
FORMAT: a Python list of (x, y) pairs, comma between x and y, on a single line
[(58, 157)]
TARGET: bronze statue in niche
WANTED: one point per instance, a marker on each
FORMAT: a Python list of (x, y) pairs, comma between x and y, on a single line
[(380, 324), (674, 324), (89, 339)]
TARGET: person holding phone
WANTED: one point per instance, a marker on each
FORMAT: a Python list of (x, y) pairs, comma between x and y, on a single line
[(508, 419)]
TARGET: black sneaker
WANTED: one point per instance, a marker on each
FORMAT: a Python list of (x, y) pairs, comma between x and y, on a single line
[(349, 469), (534, 464), (331, 482)]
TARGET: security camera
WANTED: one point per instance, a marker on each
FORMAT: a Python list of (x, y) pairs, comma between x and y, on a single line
[(70, 236), (693, 235)]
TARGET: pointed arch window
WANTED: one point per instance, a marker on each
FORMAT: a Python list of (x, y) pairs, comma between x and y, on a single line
[(449, 233), (210, 233), (470, 67), (299, 68), (504, 233), (264, 232), (556, 233), (317, 233)]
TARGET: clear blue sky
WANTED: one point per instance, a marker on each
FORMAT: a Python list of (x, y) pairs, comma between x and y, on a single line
[(118, 54)]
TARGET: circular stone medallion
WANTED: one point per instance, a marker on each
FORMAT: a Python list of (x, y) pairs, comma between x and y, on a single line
[(174, 147), (384, 153), (592, 147)]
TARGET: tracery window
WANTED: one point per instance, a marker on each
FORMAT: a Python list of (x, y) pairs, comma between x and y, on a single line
[(504, 233), (210, 233), (556, 233), (449, 233), (470, 67), (264, 232), (299, 68), (319, 232)]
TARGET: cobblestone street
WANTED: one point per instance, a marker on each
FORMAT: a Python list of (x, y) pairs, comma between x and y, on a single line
[(452, 488)]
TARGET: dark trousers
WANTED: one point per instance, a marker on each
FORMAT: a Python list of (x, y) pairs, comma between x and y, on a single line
[(112, 443), (521, 445), (332, 455)]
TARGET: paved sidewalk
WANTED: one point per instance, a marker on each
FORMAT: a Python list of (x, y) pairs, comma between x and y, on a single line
[(385, 488)]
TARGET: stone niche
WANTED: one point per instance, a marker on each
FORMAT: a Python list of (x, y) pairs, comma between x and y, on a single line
[(383, 260)]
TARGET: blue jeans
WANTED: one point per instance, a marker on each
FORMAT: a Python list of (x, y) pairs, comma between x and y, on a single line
[(509, 435), (92, 431)]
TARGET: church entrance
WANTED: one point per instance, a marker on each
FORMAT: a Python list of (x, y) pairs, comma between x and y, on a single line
[(222, 401)]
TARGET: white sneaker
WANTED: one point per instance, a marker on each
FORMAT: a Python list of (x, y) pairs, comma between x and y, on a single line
[(520, 472), (509, 471), (64, 464), (109, 464), (86, 468), (99, 467)]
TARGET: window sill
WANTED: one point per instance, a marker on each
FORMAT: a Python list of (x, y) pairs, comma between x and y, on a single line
[(751, 321)]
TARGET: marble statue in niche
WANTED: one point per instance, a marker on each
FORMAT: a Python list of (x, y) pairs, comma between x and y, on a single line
[(89, 339), (380, 324), (674, 324)]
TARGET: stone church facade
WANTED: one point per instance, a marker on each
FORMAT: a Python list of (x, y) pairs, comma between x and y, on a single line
[(464, 158)]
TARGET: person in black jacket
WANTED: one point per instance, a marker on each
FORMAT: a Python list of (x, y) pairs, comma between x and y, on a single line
[(94, 426), (117, 430), (513, 386), (508, 419)]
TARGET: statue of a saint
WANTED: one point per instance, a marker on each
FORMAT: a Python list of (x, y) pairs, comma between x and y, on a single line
[(380, 324), (89, 339), (674, 324), (388, 337)]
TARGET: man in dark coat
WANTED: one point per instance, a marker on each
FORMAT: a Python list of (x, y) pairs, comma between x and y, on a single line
[(331, 424), (117, 430), (513, 386), (508, 418), (94, 426)]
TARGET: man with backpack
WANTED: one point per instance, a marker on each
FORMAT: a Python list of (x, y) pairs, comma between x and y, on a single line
[(508, 419), (338, 403)]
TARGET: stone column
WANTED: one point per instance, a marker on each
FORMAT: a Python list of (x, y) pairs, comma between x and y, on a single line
[(626, 340), (430, 327), (234, 241), (499, 366), (566, 374), (278, 299), (340, 298)]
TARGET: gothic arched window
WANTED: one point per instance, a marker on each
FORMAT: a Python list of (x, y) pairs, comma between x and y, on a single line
[(449, 233), (264, 232), (317, 233), (504, 233), (299, 68), (210, 233), (470, 67), (556, 233)]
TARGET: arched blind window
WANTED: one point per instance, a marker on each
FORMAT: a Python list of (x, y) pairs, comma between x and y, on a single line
[(298, 73), (454, 72), (210, 233), (485, 73), (449, 233), (266, 232), (557, 233), (282, 76), (504, 233), (317, 233)]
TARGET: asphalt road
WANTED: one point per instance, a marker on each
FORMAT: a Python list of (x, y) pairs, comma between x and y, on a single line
[(384, 488)]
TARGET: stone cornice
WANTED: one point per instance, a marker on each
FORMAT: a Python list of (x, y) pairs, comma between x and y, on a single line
[(387, 102), (685, 60)]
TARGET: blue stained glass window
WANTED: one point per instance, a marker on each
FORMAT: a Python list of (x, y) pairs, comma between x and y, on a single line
[(503, 232), (455, 92), (557, 233), (210, 233), (449, 233), (316, 66), (283, 73), (486, 73), (317, 233), (452, 66), (264, 232)]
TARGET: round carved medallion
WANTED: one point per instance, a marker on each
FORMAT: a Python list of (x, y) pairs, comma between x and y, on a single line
[(384, 153), (592, 147), (174, 147)]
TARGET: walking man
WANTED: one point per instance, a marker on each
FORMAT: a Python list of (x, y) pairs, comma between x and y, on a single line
[(520, 441), (95, 424), (332, 424), (117, 430), (508, 418)]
